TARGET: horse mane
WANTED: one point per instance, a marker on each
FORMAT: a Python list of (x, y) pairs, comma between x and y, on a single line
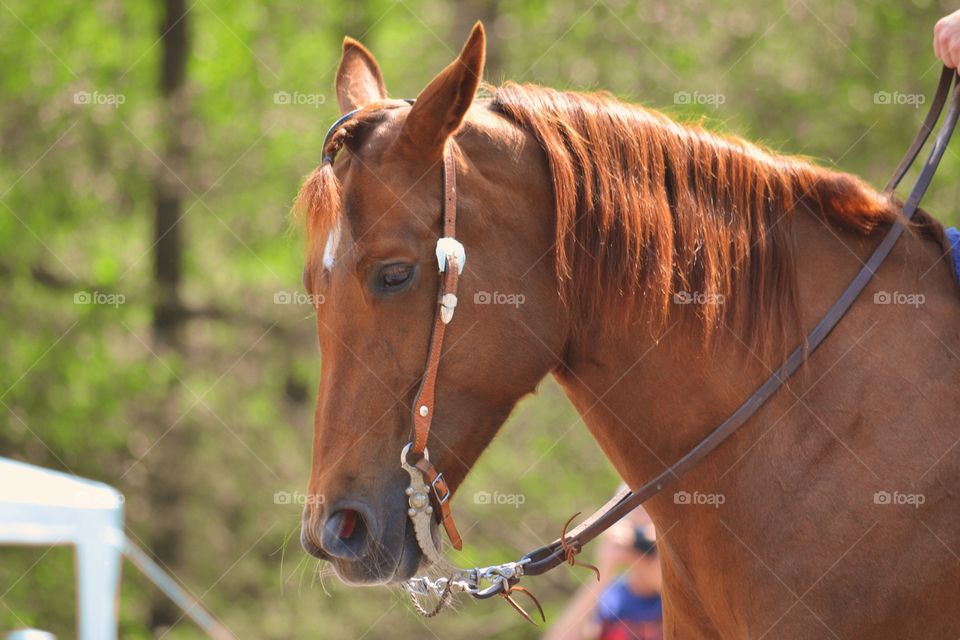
[(648, 209)]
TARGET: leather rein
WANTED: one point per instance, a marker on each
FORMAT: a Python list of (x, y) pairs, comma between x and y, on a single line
[(429, 495)]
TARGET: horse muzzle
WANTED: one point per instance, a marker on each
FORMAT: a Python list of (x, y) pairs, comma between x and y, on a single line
[(364, 547)]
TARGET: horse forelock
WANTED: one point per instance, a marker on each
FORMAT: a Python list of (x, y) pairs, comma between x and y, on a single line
[(319, 202)]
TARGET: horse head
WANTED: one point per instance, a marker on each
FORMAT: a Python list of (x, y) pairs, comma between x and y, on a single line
[(374, 216)]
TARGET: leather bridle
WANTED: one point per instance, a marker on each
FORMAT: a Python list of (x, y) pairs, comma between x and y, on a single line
[(451, 257)]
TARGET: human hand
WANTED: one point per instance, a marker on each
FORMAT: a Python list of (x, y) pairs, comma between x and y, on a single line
[(946, 39)]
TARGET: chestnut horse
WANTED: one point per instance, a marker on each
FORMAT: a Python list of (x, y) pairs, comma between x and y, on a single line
[(665, 272)]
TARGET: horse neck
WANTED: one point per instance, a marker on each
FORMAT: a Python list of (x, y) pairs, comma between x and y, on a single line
[(649, 396)]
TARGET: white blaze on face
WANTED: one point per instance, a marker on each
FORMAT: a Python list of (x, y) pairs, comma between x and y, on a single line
[(330, 250)]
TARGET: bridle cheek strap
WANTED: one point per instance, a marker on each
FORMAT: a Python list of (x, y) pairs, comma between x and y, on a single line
[(450, 258)]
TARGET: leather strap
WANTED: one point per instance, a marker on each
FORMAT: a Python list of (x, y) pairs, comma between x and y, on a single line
[(424, 403), (440, 495), (933, 113), (549, 556)]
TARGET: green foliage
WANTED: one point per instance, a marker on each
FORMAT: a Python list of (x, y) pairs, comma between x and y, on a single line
[(200, 436)]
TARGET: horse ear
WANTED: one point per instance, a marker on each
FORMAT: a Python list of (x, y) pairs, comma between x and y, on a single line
[(440, 107), (359, 80)]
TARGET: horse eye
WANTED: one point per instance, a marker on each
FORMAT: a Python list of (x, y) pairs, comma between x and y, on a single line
[(393, 278)]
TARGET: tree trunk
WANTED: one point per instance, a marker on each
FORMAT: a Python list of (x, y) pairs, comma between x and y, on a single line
[(168, 190), (169, 465)]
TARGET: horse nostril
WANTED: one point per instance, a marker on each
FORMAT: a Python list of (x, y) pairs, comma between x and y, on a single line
[(348, 523), (344, 534)]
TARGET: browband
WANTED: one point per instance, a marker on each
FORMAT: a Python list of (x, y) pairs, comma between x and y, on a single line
[(330, 156)]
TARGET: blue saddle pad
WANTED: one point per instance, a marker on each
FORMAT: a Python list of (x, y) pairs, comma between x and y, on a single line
[(953, 237)]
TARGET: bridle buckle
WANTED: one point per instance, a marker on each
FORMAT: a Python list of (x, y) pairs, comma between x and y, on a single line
[(442, 482)]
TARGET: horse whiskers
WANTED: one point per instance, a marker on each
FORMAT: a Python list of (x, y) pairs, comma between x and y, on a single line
[(283, 553), (322, 571), (301, 569)]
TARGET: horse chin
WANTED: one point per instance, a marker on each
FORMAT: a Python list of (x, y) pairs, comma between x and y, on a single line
[(362, 575), (411, 558)]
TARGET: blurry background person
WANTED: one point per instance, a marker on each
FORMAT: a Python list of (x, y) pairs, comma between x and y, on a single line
[(626, 603)]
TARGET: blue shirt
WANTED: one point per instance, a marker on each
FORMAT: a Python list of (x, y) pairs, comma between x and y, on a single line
[(624, 614), (953, 238)]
